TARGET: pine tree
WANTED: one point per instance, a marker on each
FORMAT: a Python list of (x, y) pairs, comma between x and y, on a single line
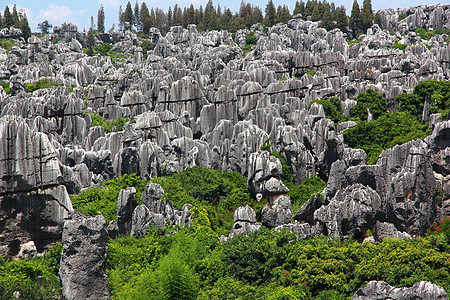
[(128, 17), (8, 20), (101, 19), (270, 14), (15, 16), (309, 8), (169, 17), (316, 14), (24, 26), (340, 17), (355, 19), (145, 18), (366, 15), (121, 25), (327, 19), (137, 17), (90, 41)]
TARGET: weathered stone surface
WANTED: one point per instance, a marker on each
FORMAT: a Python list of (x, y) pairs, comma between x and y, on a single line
[(350, 213), (387, 230), (126, 203), (423, 290), (83, 260), (244, 214), (278, 214)]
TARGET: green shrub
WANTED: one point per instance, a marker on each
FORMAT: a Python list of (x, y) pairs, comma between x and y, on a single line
[(108, 125), (312, 73), (333, 110), (45, 83), (411, 103), (399, 46), (374, 101), (7, 44), (103, 49), (103, 199), (30, 277), (300, 194), (5, 86), (146, 46), (251, 39), (385, 132)]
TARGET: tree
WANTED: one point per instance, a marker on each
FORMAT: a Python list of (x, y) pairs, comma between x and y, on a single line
[(8, 19), (137, 17), (370, 100), (90, 41), (366, 15), (24, 26), (145, 18), (316, 14), (270, 14), (327, 19), (169, 17), (355, 19), (44, 26), (340, 17), (15, 16), (128, 17), (121, 17), (101, 19)]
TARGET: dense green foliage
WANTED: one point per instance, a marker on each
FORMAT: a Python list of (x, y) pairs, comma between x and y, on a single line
[(17, 19), (210, 17), (103, 199), (108, 125), (32, 278), (6, 87), (427, 35), (300, 194), (370, 100), (399, 46), (333, 109), (103, 49), (214, 194), (266, 265), (45, 83), (438, 93), (386, 131), (7, 44)]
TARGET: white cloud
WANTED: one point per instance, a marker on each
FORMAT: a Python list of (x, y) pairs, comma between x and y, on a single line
[(58, 14), (110, 3)]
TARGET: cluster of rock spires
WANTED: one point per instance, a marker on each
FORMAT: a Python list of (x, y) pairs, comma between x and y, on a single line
[(197, 100)]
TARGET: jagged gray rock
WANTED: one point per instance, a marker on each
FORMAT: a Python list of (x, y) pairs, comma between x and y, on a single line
[(423, 290), (83, 260)]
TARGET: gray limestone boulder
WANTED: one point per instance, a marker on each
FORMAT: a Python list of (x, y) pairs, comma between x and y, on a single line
[(387, 230), (152, 193), (350, 213), (279, 213), (83, 259), (244, 214), (423, 290), (126, 203)]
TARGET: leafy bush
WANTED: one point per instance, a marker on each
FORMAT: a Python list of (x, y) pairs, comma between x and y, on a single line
[(251, 39), (411, 103), (40, 84), (108, 125), (31, 278), (333, 110), (5, 86), (7, 44), (103, 199), (385, 132), (399, 46), (103, 49), (146, 46), (374, 101), (300, 194), (312, 73), (439, 94)]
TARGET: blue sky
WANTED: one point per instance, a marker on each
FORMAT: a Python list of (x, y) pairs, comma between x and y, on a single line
[(79, 12)]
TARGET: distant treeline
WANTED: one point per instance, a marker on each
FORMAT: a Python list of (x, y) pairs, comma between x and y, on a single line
[(15, 19), (211, 17)]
